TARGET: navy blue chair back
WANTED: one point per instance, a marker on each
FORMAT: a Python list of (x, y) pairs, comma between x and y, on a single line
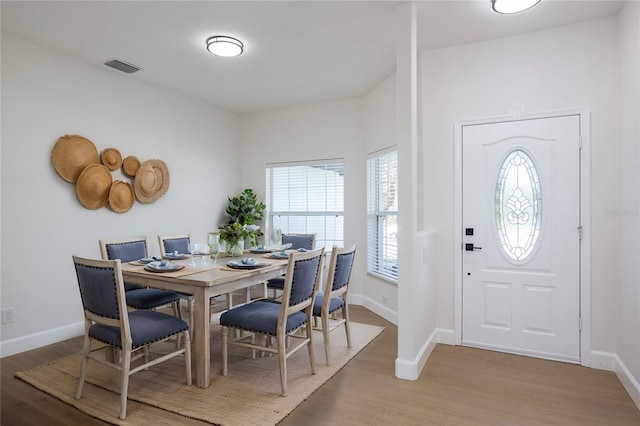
[(305, 273), (181, 245), (98, 290), (344, 264), (297, 241), (127, 251)]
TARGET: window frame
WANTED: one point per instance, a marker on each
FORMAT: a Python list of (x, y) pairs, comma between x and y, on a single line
[(321, 234), (377, 245)]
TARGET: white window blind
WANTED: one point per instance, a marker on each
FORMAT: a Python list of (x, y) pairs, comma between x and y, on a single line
[(382, 214), (306, 198)]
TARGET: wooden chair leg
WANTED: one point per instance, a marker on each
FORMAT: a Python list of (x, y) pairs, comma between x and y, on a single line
[(177, 312), (312, 358), (124, 387), (187, 355), (83, 366), (325, 335), (192, 303), (282, 355), (345, 316), (224, 350)]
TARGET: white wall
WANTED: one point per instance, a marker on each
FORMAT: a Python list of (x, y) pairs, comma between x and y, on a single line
[(317, 131), (46, 95), (348, 129), (567, 67), (626, 214), (379, 124)]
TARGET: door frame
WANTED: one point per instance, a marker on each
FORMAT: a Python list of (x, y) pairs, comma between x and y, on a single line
[(516, 113)]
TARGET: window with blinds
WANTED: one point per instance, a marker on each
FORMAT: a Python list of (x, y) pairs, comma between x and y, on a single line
[(382, 214), (306, 198)]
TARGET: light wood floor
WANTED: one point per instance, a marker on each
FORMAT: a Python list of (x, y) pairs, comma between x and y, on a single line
[(459, 386)]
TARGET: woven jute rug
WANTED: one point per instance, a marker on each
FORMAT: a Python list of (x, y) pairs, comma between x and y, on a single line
[(248, 395)]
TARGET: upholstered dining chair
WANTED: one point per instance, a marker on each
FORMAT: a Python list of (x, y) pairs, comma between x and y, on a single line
[(177, 243), (333, 296), (297, 241), (180, 243), (282, 319), (174, 243), (108, 321), (128, 250)]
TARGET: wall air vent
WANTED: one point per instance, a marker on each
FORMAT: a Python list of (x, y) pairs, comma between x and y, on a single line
[(122, 66)]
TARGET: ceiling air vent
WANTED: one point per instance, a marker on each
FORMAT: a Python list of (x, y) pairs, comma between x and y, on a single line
[(122, 66)]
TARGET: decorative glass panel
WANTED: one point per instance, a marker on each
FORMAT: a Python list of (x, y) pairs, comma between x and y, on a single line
[(518, 206)]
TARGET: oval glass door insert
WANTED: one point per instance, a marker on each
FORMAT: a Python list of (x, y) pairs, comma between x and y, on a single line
[(518, 206)]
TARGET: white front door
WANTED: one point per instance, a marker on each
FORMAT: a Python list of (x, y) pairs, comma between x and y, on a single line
[(521, 237)]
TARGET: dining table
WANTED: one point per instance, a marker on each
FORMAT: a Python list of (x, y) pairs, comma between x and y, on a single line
[(204, 280)]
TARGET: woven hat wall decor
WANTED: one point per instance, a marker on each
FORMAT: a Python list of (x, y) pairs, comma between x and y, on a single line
[(76, 160), (71, 154), (152, 181), (111, 158)]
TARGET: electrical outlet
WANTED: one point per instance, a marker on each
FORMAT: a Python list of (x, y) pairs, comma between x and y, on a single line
[(8, 315)]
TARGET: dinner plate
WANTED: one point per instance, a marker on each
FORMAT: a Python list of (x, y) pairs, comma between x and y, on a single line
[(239, 265), (158, 267), (171, 256), (148, 260), (260, 251), (278, 256)]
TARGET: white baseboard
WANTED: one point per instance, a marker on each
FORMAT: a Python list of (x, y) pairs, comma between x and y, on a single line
[(375, 307), (446, 336), (43, 338), (411, 369), (611, 362), (629, 382), (603, 360)]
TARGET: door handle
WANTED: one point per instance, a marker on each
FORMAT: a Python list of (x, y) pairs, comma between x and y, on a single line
[(471, 247)]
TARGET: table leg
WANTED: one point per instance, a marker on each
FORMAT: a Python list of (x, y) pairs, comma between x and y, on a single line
[(201, 343)]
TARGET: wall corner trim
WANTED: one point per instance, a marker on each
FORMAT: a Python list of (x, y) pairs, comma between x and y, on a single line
[(629, 382), (611, 362), (410, 369)]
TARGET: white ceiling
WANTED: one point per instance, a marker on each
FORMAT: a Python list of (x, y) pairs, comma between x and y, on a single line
[(295, 51)]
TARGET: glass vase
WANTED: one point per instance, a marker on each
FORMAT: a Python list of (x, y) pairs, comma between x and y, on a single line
[(235, 250), (213, 239)]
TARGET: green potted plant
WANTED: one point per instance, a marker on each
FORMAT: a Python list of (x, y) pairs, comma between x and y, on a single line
[(246, 210)]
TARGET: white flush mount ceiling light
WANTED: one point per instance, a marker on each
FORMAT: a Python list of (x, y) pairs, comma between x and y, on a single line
[(224, 46), (512, 6)]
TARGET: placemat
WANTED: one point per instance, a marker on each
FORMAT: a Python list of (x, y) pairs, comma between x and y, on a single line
[(187, 270)]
